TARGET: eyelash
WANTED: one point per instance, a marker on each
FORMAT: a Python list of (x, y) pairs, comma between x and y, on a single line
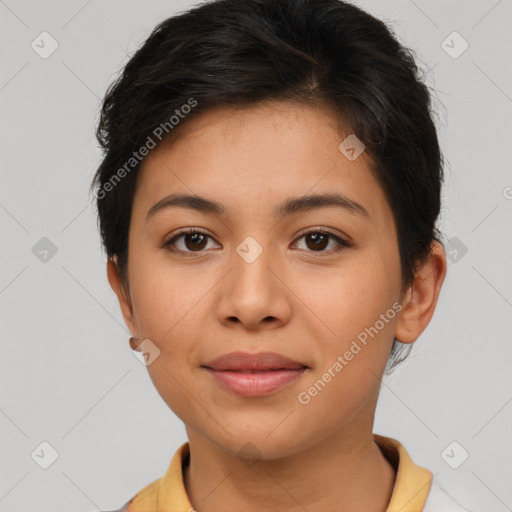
[(169, 242)]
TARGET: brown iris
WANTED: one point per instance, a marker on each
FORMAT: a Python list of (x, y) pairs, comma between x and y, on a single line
[(198, 241), (319, 241)]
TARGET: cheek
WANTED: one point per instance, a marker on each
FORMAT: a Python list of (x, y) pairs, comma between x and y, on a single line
[(166, 297), (359, 306), (170, 309), (351, 298)]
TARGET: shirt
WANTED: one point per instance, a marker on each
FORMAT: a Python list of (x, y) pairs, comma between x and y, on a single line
[(415, 490)]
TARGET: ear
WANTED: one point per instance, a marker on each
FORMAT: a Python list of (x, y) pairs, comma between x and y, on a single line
[(421, 297), (123, 297)]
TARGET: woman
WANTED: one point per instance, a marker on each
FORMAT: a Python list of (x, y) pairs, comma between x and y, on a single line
[(268, 201)]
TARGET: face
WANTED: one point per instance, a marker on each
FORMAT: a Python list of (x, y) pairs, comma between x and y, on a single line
[(317, 283)]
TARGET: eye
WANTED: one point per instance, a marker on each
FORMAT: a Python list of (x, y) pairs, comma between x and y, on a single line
[(318, 239), (187, 241), (192, 240)]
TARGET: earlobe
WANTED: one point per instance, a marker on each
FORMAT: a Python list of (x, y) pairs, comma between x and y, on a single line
[(421, 298), (124, 300)]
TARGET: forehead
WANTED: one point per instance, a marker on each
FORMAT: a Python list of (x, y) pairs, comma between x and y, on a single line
[(250, 159)]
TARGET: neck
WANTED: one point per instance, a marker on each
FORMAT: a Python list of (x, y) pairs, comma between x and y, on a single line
[(344, 472)]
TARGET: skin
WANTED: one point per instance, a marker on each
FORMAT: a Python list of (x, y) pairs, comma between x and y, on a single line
[(290, 300)]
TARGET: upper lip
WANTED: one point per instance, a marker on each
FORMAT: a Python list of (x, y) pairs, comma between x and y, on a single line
[(256, 361)]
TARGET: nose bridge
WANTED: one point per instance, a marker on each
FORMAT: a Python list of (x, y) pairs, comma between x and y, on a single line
[(253, 263), (250, 250), (253, 291)]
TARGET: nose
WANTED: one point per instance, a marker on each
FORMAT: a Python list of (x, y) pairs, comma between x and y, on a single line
[(254, 296)]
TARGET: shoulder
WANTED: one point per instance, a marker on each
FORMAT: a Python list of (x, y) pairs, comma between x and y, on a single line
[(439, 500), (167, 492)]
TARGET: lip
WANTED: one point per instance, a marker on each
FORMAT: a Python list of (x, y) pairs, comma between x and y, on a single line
[(256, 361), (257, 374)]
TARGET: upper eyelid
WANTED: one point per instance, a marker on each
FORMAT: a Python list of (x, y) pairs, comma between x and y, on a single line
[(321, 229)]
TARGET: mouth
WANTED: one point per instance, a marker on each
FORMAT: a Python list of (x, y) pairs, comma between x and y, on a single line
[(252, 375)]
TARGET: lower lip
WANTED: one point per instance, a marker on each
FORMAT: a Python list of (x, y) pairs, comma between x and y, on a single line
[(255, 384)]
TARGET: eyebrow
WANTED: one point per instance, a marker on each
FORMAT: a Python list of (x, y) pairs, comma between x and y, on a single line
[(290, 206)]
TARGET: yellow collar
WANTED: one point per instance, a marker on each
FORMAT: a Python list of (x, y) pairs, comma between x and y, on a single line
[(168, 493)]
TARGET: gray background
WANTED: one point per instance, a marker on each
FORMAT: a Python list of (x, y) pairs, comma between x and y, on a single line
[(68, 375)]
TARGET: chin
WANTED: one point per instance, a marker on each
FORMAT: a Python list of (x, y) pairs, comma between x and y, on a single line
[(259, 442)]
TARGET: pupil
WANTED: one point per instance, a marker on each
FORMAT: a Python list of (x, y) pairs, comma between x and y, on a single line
[(318, 238), (196, 238)]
